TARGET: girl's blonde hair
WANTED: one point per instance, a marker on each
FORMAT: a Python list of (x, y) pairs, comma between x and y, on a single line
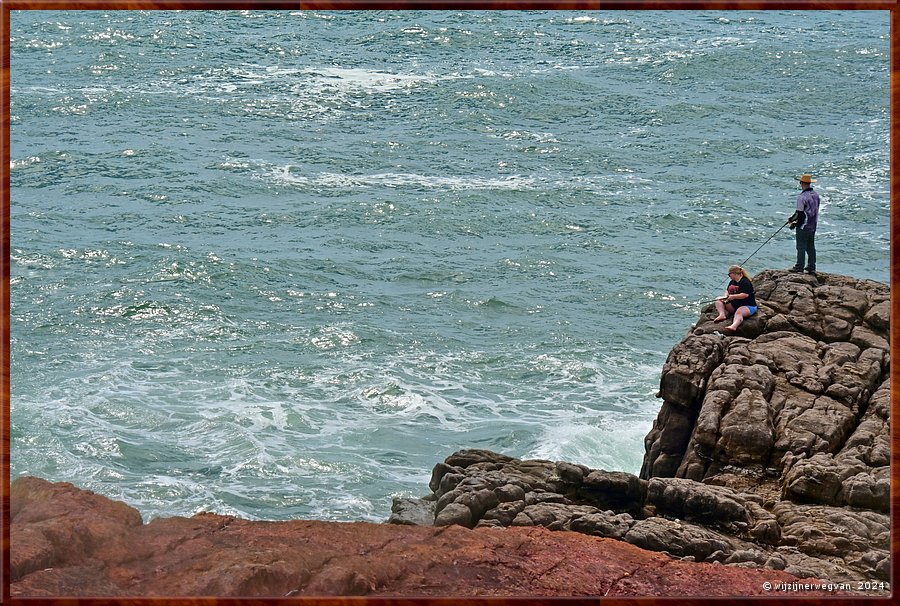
[(740, 270)]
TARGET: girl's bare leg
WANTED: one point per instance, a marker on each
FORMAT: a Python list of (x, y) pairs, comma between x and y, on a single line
[(720, 307), (739, 316)]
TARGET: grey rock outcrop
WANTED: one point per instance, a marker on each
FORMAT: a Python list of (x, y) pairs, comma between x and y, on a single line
[(412, 512), (803, 392)]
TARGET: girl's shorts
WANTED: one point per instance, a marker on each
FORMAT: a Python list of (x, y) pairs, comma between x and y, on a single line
[(752, 309)]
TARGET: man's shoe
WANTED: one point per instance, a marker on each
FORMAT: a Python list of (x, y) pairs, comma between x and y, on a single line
[(811, 272), (795, 270)]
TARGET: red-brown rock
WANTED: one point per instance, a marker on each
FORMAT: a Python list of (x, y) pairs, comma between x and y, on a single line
[(69, 542)]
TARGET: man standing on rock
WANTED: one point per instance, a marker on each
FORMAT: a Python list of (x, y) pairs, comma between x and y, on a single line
[(805, 220)]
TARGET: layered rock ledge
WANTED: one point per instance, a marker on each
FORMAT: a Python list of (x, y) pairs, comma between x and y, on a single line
[(70, 542), (771, 448), (768, 464)]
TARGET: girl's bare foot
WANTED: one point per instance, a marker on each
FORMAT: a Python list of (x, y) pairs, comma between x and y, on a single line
[(720, 319), (730, 327)]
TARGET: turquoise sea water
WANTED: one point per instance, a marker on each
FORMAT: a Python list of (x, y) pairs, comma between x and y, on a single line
[(279, 264)]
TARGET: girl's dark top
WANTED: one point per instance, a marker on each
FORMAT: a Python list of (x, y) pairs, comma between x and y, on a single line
[(743, 286)]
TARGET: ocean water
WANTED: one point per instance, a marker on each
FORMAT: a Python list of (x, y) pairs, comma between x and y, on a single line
[(279, 264)]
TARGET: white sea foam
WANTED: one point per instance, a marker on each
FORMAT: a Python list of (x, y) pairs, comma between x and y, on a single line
[(285, 175), (365, 79), (22, 163), (611, 185), (606, 443)]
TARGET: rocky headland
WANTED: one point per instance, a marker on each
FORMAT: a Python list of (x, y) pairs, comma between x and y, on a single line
[(768, 463)]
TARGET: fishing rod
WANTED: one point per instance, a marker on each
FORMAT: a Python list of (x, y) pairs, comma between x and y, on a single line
[(766, 242), (751, 256)]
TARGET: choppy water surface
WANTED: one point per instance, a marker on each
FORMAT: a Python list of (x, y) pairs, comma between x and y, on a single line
[(279, 264)]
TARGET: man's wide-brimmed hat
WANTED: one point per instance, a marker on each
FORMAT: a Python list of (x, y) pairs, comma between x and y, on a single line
[(805, 179)]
